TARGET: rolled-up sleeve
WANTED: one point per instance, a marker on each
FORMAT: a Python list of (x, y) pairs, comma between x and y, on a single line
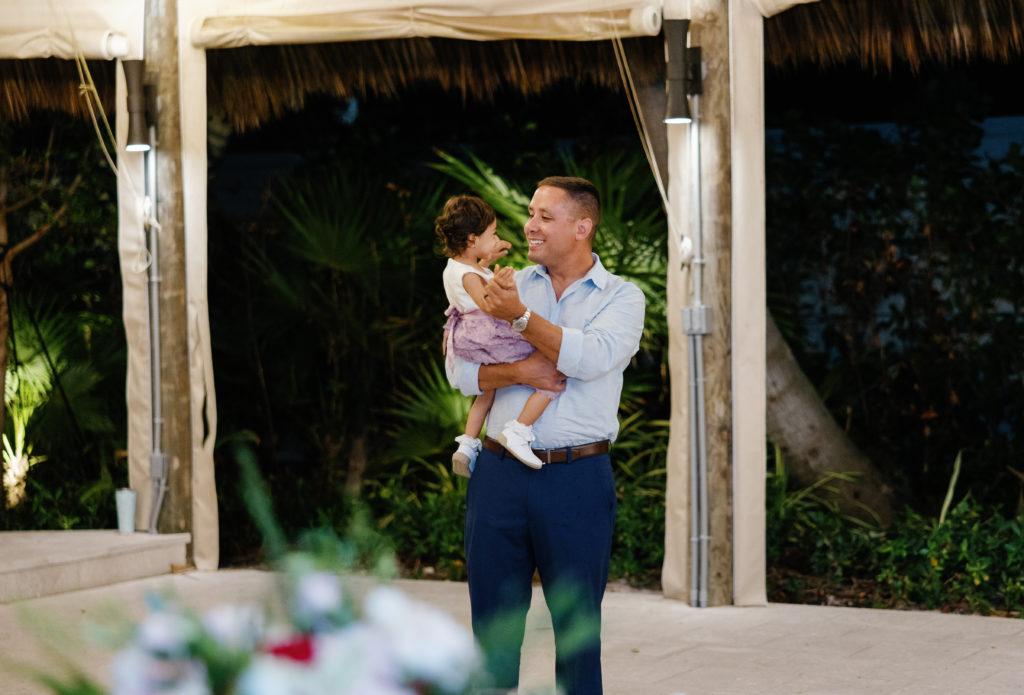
[(463, 375), (608, 340)]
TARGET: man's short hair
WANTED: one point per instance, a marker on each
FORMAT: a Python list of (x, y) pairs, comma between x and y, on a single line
[(582, 193)]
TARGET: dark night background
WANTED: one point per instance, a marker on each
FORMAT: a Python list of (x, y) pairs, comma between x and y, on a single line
[(586, 120)]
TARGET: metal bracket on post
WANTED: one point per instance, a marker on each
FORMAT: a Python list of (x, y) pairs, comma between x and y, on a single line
[(697, 320), (158, 474)]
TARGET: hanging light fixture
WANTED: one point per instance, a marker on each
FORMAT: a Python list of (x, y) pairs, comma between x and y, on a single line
[(138, 133), (682, 71)]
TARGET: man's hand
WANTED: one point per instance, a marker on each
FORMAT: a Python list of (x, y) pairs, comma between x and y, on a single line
[(501, 296), (540, 373), (536, 371)]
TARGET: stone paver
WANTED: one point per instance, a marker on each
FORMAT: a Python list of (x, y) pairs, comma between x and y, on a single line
[(651, 645)]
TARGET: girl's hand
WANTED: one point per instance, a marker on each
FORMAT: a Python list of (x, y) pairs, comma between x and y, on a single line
[(502, 301), (500, 250), (505, 277)]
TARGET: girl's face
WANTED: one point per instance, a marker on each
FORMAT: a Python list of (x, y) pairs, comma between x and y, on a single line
[(488, 245)]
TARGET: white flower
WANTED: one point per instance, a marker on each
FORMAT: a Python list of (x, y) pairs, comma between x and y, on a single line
[(427, 644), (351, 661), (237, 628), (270, 675), (357, 661), (317, 597), (166, 633), (138, 672)]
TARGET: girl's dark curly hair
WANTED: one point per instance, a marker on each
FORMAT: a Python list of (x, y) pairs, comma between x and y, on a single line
[(462, 215)]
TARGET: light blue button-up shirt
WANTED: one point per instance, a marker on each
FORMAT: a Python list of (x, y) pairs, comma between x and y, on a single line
[(602, 319)]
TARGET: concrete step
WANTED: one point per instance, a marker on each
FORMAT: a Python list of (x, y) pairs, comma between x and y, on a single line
[(42, 563)]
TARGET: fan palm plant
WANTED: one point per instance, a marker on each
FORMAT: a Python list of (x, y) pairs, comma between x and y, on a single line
[(50, 389), (342, 271)]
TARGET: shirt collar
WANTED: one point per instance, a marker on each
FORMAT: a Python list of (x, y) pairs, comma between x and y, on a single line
[(597, 274)]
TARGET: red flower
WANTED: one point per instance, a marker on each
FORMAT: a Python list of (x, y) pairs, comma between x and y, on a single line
[(297, 649)]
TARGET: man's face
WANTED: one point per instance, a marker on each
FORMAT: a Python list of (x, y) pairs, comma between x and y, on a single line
[(551, 230)]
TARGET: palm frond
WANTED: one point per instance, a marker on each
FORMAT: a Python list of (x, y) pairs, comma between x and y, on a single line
[(429, 413)]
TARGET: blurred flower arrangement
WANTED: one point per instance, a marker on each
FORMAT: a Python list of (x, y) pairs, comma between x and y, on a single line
[(322, 643), (327, 629)]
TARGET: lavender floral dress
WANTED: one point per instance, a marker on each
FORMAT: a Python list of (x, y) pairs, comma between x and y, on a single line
[(473, 335)]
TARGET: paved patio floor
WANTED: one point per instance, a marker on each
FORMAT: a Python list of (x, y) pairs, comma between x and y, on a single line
[(651, 645)]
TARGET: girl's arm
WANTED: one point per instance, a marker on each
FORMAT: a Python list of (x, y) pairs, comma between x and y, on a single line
[(474, 284)]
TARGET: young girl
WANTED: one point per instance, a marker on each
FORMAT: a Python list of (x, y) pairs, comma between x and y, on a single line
[(467, 227)]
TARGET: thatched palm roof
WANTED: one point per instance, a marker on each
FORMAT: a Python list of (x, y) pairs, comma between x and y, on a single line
[(253, 84), (474, 70), (879, 34)]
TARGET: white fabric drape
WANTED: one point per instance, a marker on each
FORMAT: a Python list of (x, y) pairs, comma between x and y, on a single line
[(232, 23), (192, 86), (749, 368), (131, 244), (767, 8), (62, 28)]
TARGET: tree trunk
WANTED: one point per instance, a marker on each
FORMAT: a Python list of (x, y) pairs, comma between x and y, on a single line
[(356, 467), (812, 442)]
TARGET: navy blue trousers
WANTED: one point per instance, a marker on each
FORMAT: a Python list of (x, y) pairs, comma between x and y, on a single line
[(558, 521)]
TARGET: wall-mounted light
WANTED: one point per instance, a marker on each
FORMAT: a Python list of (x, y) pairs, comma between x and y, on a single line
[(682, 71), (138, 132)]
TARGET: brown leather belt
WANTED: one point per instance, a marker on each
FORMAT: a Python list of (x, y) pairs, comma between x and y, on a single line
[(565, 454)]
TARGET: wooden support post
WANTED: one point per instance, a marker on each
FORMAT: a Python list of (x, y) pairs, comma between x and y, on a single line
[(710, 30), (161, 75), (727, 136)]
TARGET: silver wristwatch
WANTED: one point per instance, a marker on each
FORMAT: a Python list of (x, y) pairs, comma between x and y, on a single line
[(519, 325)]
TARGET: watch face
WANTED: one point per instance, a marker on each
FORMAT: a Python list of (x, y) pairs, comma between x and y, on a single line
[(519, 325)]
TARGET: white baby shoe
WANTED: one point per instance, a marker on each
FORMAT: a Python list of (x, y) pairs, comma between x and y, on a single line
[(464, 460), (516, 438)]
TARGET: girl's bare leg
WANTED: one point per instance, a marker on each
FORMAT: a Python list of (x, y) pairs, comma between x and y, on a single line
[(478, 413), (533, 408)]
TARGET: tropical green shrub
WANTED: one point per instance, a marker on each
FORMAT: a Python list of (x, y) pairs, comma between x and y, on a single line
[(968, 558), (806, 531), (423, 522), (971, 559), (66, 357), (638, 544)]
